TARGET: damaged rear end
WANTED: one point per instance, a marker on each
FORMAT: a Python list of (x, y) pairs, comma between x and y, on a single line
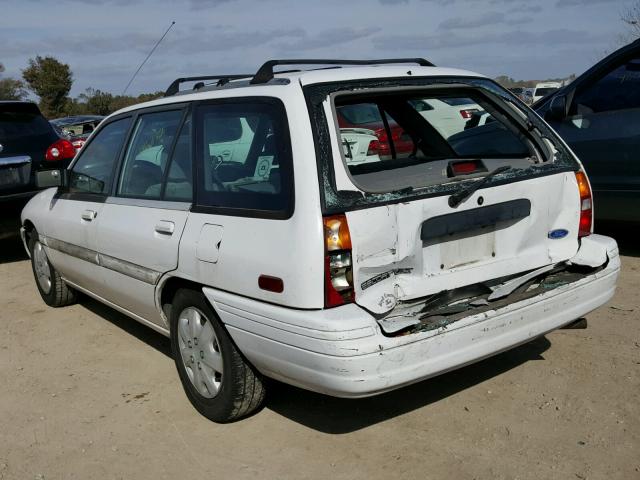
[(471, 220)]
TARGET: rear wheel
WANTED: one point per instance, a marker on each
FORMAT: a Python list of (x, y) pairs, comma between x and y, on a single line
[(218, 381), (52, 288)]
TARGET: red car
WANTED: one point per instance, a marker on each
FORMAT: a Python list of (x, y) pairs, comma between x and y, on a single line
[(364, 115)]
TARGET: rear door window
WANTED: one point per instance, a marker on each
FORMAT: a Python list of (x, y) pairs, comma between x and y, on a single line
[(244, 157), (148, 153), (412, 137)]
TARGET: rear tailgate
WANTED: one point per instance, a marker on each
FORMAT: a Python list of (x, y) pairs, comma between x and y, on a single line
[(516, 208), (413, 249)]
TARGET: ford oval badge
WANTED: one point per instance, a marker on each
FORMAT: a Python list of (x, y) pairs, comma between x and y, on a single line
[(559, 233)]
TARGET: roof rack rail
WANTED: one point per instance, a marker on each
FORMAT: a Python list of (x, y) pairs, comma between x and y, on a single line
[(175, 85), (265, 72)]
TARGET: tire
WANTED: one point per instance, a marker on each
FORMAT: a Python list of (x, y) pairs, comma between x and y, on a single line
[(52, 288), (217, 379)]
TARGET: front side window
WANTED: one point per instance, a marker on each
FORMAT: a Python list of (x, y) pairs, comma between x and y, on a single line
[(244, 156), (618, 90), (148, 153), (93, 171)]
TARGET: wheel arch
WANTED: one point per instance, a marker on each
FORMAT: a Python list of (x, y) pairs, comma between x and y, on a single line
[(166, 291)]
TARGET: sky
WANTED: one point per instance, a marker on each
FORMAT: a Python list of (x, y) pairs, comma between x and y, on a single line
[(105, 41)]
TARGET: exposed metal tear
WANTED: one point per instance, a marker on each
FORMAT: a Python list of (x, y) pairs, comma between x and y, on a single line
[(508, 287), (442, 309)]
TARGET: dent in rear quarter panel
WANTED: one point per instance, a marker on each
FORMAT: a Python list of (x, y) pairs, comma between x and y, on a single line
[(290, 249)]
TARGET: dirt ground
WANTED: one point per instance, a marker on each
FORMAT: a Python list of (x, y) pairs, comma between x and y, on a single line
[(89, 394)]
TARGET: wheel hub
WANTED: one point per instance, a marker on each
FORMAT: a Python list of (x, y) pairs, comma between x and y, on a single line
[(200, 351), (41, 267)]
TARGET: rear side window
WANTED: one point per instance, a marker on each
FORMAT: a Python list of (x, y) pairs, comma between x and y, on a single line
[(410, 135), (244, 157), (148, 153), (93, 170)]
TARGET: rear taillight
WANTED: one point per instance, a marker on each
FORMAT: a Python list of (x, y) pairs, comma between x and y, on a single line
[(585, 226), (396, 134), (60, 150), (468, 112), (338, 265), (374, 148)]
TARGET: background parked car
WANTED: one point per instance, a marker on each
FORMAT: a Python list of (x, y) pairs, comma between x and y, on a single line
[(598, 115), (368, 116), (28, 143), (543, 89), (77, 128), (448, 115)]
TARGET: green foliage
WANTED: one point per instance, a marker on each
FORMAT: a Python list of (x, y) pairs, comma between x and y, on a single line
[(10, 88), (97, 102), (51, 80)]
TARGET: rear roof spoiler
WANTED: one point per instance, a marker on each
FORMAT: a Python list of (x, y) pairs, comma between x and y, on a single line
[(266, 73)]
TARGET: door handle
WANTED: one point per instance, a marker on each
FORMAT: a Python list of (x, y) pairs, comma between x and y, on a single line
[(89, 215), (165, 227)]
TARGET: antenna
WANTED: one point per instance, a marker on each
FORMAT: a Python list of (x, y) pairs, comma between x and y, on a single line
[(147, 58)]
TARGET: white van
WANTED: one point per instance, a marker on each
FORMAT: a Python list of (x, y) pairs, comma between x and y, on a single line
[(543, 89), (287, 259)]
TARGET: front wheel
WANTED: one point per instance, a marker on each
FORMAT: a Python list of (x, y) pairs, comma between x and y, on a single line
[(51, 286), (217, 379)]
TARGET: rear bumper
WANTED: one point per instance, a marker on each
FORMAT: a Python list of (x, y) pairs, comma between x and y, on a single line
[(342, 352)]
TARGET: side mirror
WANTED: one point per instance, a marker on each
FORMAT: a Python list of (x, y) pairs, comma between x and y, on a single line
[(52, 178), (558, 108)]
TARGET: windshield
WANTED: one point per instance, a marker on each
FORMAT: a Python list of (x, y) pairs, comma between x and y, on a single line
[(410, 138)]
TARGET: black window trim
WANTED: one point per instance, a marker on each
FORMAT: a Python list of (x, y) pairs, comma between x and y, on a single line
[(281, 111)]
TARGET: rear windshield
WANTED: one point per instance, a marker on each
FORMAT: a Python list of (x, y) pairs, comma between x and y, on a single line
[(493, 130), (405, 139), (21, 120), (543, 92)]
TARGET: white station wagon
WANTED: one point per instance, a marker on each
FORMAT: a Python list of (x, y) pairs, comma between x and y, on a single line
[(229, 218)]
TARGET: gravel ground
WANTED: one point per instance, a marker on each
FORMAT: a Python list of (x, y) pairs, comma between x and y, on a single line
[(88, 393)]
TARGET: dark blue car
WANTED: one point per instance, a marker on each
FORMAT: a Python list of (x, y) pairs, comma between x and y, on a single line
[(598, 115)]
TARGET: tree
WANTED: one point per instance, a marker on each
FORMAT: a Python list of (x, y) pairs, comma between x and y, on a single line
[(51, 80), (631, 16), (97, 102), (10, 88)]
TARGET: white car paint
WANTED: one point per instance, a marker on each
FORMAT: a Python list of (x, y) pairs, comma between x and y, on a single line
[(355, 145), (290, 335), (446, 118)]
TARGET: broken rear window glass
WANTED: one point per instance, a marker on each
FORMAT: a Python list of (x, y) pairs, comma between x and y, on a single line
[(393, 140)]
